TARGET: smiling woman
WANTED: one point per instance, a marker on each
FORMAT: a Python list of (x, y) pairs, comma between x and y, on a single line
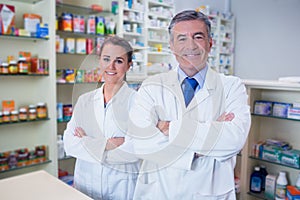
[(115, 60), (95, 134)]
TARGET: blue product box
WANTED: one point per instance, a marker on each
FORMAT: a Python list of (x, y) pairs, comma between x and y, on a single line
[(281, 109), (262, 107), (42, 30), (292, 193)]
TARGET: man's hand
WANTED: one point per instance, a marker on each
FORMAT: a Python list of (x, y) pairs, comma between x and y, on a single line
[(79, 132), (163, 126), (113, 143), (226, 117)]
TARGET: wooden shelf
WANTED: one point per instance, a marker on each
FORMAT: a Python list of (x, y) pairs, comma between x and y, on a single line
[(27, 166), (275, 163), (28, 38), (29, 1), (80, 9), (21, 122), (275, 117)]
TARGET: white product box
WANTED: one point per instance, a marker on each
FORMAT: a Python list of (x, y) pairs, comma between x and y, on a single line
[(270, 186), (294, 113), (70, 45), (81, 45)]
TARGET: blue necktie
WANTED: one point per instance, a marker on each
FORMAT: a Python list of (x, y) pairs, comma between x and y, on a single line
[(190, 85)]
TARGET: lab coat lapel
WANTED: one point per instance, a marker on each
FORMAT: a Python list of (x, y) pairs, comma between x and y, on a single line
[(98, 104), (174, 85), (205, 92)]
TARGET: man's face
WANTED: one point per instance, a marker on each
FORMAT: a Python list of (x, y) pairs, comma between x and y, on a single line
[(191, 45)]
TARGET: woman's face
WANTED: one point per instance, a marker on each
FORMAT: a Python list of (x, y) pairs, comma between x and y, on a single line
[(114, 63)]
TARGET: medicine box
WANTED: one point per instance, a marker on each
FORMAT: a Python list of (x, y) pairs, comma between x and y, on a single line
[(270, 186), (262, 107), (7, 17), (42, 30), (292, 193), (280, 109), (293, 113), (70, 45), (81, 45), (272, 153), (291, 158)]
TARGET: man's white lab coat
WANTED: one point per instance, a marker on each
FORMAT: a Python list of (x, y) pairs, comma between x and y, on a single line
[(170, 169)]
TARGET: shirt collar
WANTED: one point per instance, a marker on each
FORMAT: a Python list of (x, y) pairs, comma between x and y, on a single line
[(200, 76)]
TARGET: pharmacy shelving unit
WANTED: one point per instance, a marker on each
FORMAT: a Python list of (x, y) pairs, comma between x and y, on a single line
[(30, 89), (159, 56), (221, 57), (68, 93), (268, 127), (131, 26)]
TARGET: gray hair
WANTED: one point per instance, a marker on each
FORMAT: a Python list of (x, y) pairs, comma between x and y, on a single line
[(188, 15), (118, 41)]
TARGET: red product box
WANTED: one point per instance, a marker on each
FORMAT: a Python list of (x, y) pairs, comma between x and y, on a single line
[(7, 18)]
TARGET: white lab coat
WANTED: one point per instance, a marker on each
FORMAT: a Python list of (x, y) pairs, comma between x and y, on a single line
[(99, 173), (170, 170)]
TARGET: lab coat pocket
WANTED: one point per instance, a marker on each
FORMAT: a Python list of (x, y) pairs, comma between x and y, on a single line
[(121, 186), (146, 191)]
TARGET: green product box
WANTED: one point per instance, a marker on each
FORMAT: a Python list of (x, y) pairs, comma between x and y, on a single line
[(291, 158), (272, 153)]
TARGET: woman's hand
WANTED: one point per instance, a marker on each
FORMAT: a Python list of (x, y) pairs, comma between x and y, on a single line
[(79, 132), (113, 143)]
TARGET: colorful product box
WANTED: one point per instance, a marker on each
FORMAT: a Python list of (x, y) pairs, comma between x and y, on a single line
[(81, 45), (31, 21), (42, 30), (7, 17), (280, 109), (272, 153), (263, 107), (292, 193), (70, 45), (291, 158), (258, 149), (293, 113)]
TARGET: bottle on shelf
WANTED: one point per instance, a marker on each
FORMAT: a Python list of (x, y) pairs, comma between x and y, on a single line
[(264, 174), (298, 182), (256, 180), (281, 184), (60, 147)]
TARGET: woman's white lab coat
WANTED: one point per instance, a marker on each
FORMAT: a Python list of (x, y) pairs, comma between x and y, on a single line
[(99, 173), (170, 169)]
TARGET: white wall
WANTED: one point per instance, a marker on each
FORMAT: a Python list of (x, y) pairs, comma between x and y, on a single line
[(267, 36), (191, 4)]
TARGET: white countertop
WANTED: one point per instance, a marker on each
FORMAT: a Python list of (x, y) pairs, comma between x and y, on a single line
[(36, 186), (271, 84)]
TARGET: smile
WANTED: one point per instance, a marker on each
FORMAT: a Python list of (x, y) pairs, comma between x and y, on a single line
[(191, 55), (111, 73)]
